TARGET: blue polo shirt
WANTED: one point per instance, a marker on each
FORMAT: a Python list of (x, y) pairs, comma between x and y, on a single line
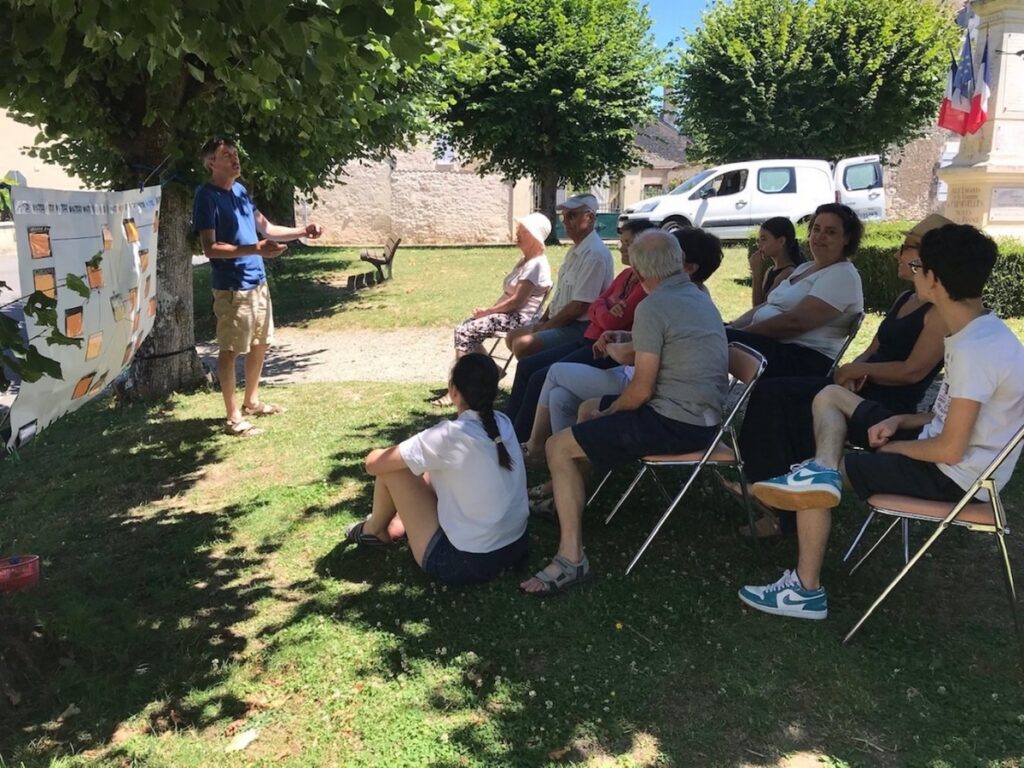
[(231, 214)]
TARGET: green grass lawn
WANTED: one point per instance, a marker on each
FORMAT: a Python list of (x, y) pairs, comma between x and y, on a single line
[(196, 590)]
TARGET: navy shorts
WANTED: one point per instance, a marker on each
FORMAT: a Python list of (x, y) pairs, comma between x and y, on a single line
[(442, 561), (618, 438), (866, 415), (871, 473)]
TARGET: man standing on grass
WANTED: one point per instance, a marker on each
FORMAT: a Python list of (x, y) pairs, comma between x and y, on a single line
[(227, 222), (935, 455), (583, 276)]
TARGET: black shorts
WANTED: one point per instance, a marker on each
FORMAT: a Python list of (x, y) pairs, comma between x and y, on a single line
[(444, 562), (618, 438), (866, 415), (871, 473)]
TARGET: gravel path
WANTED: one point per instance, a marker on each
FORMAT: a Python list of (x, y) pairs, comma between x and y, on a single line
[(406, 354)]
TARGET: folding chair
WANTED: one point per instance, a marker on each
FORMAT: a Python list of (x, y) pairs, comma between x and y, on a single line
[(850, 336), (745, 368), (983, 517), (500, 336)]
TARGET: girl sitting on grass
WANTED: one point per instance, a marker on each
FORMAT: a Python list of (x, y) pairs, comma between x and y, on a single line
[(457, 489)]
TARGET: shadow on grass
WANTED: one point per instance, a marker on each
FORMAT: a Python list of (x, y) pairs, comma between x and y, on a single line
[(141, 598), (304, 287), (666, 664)]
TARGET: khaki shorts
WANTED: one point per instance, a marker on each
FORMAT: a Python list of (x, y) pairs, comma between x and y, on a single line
[(244, 318)]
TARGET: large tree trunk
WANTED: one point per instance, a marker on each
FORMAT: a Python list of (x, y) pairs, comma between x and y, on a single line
[(167, 361), (548, 198)]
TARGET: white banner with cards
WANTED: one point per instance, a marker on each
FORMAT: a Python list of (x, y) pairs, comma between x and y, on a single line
[(59, 234)]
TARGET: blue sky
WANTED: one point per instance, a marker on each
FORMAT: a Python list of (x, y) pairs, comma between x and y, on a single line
[(670, 16)]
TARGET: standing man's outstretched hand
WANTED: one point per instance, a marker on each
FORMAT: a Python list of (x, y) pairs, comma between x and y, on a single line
[(313, 231)]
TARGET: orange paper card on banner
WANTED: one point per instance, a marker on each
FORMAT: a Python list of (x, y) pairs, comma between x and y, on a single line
[(108, 238), (152, 307), (143, 259), (130, 231), (82, 387), (94, 275), (73, 322), (45, 280), (39, 242), (94, 346)]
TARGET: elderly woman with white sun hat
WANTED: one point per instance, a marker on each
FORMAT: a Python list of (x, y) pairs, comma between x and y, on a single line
[(523, 289)]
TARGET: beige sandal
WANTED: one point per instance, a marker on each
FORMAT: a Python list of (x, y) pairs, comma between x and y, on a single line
[(263, 409), (243, 428)]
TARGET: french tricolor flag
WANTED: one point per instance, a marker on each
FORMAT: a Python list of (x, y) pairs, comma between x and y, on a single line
[(956, 104), (979, 104)]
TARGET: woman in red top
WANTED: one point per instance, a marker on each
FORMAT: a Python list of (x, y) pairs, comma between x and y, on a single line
[(611, 311)]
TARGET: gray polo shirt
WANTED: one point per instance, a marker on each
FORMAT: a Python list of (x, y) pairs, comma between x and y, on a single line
[(679, 323)]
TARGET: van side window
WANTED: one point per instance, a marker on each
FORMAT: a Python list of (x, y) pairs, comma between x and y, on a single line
[(776, 181), (863, 176), (727, 184)]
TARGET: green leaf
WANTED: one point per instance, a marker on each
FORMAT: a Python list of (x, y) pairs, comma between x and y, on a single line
[(71, 77), (77, 284), (58, 339), (196, 73)]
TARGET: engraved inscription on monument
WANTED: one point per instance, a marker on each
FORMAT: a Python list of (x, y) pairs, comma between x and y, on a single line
[(965, 206), (1007, 204)]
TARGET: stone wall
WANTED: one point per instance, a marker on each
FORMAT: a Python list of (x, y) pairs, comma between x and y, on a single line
[(417, 198), (911, 178)]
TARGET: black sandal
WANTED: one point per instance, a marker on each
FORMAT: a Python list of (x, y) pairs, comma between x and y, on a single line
[(569, 575), (354, 534)]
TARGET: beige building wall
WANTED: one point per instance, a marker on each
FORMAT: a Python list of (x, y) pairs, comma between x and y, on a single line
[(420, 199), (14, 137)]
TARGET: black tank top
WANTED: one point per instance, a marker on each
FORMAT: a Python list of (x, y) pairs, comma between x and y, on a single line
[(896, 339)]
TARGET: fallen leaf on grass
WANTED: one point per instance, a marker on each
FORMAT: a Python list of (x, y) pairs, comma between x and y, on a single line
[(559, 754), (243, 740), (12, 696)]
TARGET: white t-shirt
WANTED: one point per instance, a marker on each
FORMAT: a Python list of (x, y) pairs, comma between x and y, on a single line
[(585, 274), (535, 270), (837, 285), (480, 506), (984, 363)]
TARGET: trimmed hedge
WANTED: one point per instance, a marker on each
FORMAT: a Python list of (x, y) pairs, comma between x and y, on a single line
[(875, 261)]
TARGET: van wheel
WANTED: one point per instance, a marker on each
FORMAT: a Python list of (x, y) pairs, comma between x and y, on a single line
[(675, 223)]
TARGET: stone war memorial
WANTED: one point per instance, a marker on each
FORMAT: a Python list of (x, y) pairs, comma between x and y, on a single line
[(986, 178)]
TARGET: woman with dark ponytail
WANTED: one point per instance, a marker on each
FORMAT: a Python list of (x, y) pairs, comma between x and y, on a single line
[(466, 520), (778, 252)]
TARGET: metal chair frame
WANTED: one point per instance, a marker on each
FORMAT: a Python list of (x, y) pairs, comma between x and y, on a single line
[(740, 356), (850, 336), (998, 527), (500, 336)]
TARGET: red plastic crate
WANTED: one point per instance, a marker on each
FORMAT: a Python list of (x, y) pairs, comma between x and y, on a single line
[(18, 572)]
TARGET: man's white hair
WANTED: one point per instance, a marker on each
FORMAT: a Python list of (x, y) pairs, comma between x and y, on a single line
[(656, 254)]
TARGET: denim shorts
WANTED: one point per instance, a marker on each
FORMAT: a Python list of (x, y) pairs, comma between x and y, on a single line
[(442, 561)]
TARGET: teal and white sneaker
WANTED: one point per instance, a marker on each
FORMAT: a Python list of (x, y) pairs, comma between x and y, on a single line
[(787, 597), (807, 486)]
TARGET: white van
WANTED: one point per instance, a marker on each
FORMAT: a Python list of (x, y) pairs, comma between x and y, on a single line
[(732, 200)]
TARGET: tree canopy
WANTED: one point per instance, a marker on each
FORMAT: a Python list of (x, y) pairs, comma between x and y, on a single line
[(560, 96), (832, 78), (130, 91)]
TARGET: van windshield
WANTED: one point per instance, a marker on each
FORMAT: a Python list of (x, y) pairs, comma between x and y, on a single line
[(692, 182)]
